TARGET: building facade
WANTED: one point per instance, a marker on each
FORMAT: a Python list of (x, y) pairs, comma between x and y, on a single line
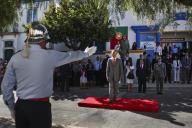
[(136, 30), (13, 39)]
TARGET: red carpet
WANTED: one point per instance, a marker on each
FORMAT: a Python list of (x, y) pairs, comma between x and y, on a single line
[(142, 105)]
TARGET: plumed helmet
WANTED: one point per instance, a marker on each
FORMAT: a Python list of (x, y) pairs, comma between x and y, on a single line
[(37, 32)]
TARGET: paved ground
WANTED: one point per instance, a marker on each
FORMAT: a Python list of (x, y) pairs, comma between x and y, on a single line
[(175, 111)]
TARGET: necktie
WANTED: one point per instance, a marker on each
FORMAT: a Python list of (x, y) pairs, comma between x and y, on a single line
[(113, 60)]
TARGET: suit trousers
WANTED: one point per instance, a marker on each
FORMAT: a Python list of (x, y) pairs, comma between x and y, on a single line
[(168, 76), (185, 75), (142, 85), (98, 77), (113, 90), (159, 84), (176, 73), (33, 114)]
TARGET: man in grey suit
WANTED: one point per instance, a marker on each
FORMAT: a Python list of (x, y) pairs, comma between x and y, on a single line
[(160, 73), (114, 72), (186, 64)]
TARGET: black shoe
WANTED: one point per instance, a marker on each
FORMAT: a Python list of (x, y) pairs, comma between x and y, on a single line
[(112, 100)]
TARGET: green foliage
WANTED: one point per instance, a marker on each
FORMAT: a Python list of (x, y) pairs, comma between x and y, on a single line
[(8, 12), (26, 27), (152, 9), (78, 23), (143, 8), (190, 21), (184, 2)]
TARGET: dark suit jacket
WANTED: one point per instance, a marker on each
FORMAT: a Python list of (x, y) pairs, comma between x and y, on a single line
[(141, 72)]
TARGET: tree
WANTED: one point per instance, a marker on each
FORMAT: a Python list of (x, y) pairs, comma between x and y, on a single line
[(162, 11), (143, 8), (8, 12), (78, 23)]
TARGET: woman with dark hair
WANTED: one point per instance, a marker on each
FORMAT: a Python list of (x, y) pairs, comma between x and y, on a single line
[(134, 46)]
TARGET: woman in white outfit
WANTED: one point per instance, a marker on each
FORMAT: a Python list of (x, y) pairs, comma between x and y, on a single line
[(176, 69), (129, 75), (83, 78)]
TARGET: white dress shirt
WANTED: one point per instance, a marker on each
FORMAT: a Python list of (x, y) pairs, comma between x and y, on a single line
[(159, 50), (97, 65)]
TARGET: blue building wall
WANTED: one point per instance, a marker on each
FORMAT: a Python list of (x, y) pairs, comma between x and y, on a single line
[(146, 34)]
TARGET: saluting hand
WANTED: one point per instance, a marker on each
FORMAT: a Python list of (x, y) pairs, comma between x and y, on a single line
[(90, 50)]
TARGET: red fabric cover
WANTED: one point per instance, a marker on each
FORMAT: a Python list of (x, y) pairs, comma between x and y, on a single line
[(142, 105), (113, 42)]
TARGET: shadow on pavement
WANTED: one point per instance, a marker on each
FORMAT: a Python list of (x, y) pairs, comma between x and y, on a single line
[(172, 101), (6, 123)]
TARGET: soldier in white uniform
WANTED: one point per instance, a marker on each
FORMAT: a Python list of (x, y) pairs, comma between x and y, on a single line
[(31, 71)]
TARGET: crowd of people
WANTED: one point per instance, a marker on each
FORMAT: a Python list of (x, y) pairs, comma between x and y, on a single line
[(175, 67), (170, 64), (84, 73), (178, 63), (3, 64)]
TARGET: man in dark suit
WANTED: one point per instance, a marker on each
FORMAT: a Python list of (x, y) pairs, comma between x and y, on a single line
[(103, 71), (138, 60), (141, 73), (66, 77)]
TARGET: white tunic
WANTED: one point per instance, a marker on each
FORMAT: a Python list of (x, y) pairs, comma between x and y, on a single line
[(33, 76)]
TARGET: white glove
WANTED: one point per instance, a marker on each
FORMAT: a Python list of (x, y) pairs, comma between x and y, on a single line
[(90, 51)]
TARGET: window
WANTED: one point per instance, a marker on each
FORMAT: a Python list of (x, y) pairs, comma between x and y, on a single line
[(15, 27), (32, 15), (8, 53), (8, 44), (8, 50)]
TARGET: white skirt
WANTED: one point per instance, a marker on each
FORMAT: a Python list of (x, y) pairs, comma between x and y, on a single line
[(83, 79), (129, 81)]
